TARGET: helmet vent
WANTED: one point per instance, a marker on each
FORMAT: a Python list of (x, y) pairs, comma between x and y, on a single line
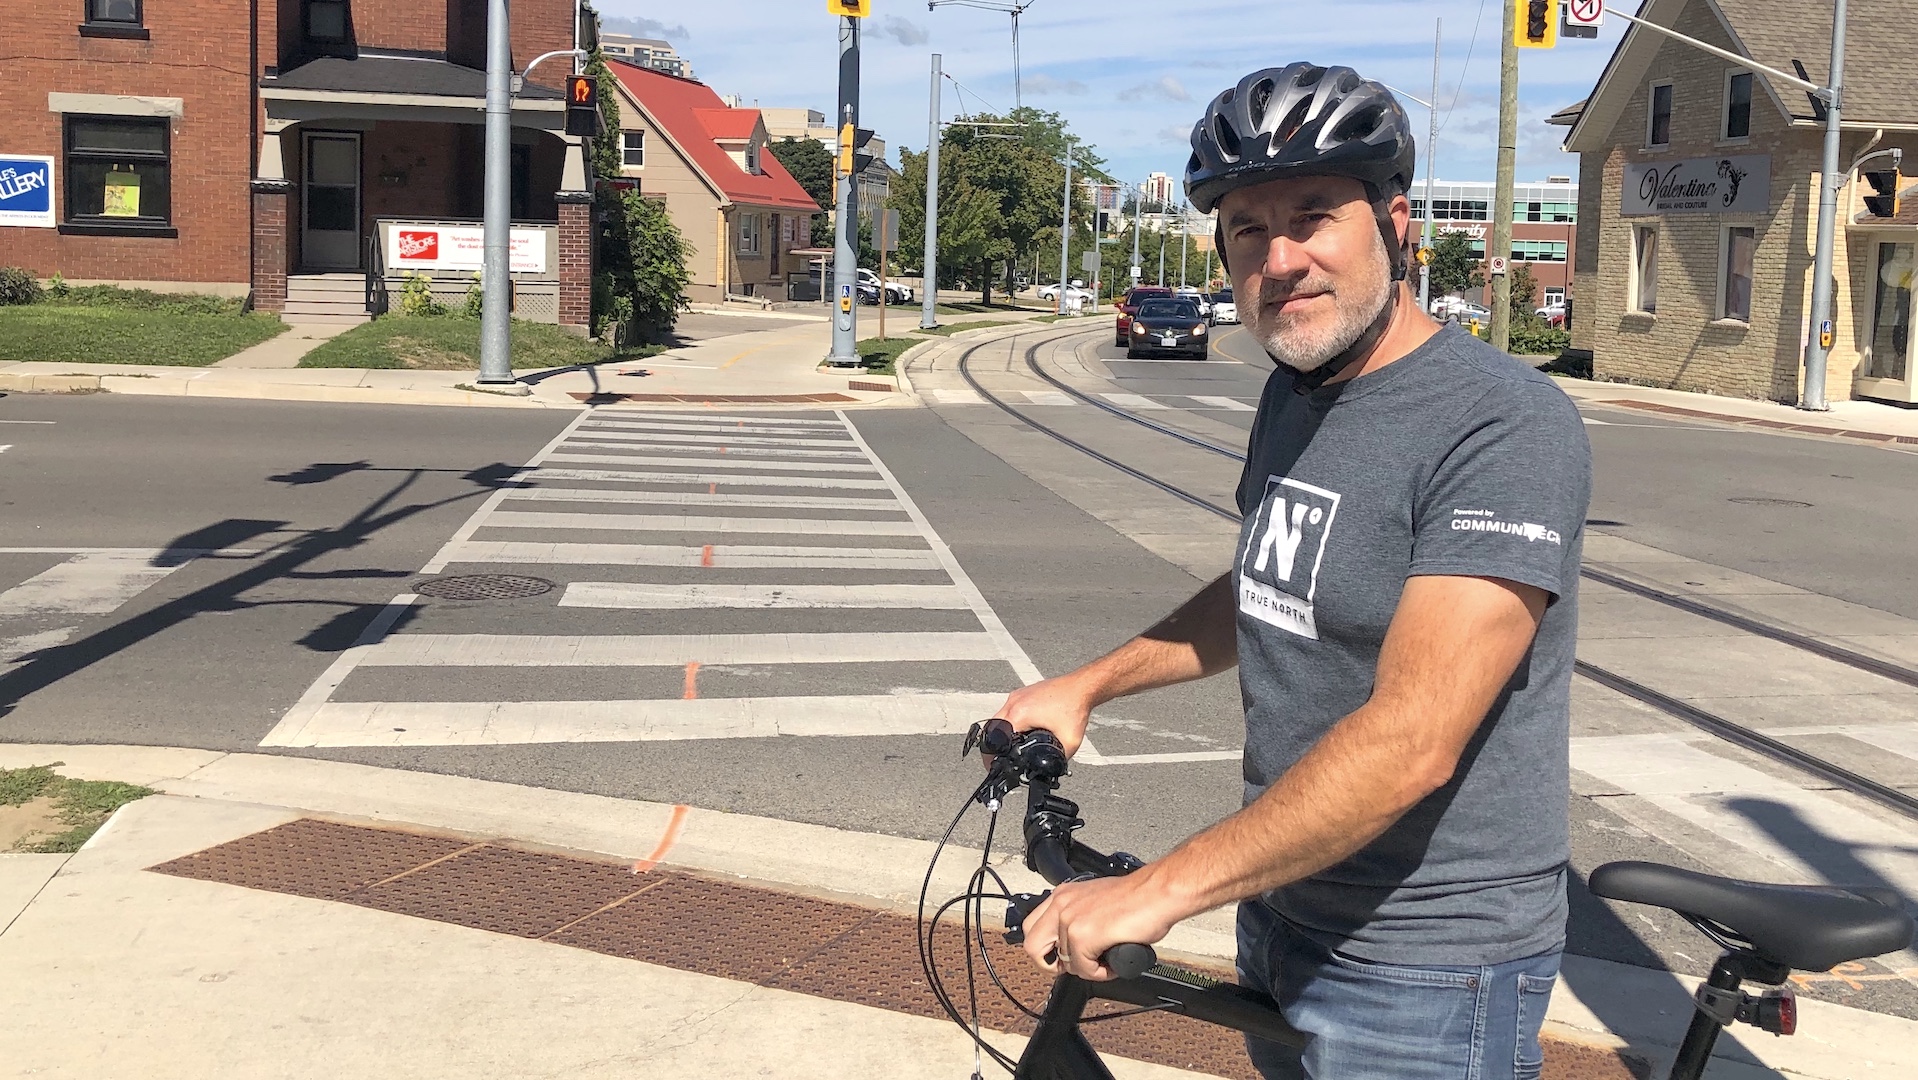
[(1359, 125), (1255, 105), (1293, 121), (1227, 139)]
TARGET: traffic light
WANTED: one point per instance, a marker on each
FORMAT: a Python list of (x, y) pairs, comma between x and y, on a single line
[(582, 105), (1883, 201), (853, 153), (851, 9), (1535, 25)]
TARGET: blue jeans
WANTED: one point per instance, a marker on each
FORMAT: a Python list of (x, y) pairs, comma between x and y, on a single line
[(1369, 1020)]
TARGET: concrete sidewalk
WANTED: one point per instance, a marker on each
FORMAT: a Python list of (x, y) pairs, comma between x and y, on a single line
[(115, 971), (1868, 420)]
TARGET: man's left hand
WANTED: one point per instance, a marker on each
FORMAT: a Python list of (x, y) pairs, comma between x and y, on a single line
[(1083, 919)]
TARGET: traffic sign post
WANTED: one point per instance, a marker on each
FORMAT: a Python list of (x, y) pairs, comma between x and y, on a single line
[(845, 256), (1583, 18)]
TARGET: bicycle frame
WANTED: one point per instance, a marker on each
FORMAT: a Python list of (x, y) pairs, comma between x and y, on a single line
[(1058, 1049)]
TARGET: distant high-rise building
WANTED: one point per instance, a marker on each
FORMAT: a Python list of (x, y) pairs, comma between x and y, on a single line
[(1160, 188), (646, 52)]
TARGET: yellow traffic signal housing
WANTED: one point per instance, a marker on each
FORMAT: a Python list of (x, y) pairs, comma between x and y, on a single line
[(1535, 23), (1884, 183), (845, 149), (851, 9)]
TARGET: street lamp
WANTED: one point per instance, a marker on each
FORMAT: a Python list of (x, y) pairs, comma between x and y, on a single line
[(1015, 8)]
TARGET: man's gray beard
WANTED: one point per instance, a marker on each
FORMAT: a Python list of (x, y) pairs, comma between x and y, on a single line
[(1356, 307)]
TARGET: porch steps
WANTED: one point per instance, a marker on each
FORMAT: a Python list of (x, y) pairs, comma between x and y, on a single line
[(325, 298)]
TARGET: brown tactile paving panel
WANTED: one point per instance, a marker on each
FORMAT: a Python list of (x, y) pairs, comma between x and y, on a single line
[(715, 928), (320, 859), (504, 890), (773, 939)]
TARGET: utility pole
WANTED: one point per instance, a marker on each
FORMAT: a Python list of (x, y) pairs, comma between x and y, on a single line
[(1184, 238), (496, 283), (845, 256), (1431, 167), (1065, 228), (1138, 214), (929, 303), (1501, 247), (1818, 345)]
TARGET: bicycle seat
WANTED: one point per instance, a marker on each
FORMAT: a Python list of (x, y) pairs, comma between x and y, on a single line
[(1807, 927)]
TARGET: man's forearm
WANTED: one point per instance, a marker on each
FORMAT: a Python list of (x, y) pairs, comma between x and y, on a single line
[(1197, 640)]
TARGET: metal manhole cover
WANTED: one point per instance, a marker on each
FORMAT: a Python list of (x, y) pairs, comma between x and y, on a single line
[(483, 587), (1755, 500)]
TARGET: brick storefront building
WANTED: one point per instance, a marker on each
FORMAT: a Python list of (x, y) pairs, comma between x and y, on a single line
[(1699, 196), (277, 149)]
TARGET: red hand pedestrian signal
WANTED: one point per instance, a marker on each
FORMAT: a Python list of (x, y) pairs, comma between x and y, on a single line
[(582, 105), (582, 90)]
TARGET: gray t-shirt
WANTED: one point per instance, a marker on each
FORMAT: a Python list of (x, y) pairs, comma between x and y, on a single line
[(1455, 460)]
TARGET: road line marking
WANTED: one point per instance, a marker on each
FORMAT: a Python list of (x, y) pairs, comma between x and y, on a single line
[(1009, 647), (692, 681), (15, 649), (501, 723), (471, 525), (656, 597), (702, 430), (664, 438), (956, 396), (703, 499), (626, 416), (182, 555), (706, 463), (1226, 403), (509, 519), (1600, 423), (730, 556), (744, 451), (292, 727), (4, 447), (91, 583), (710, 479), (674, 823), (29, 422), (1134, 401), (675, 650), (1049, 397)]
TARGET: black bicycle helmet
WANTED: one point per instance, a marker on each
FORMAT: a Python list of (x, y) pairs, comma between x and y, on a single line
[(1300, 120)]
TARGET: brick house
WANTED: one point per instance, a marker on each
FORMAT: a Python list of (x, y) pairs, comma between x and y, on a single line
[(1699, 192), (748, 222), (276, 149)]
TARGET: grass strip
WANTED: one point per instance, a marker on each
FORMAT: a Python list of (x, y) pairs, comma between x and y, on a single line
[(451, 343), (83, 805), (98, 333)]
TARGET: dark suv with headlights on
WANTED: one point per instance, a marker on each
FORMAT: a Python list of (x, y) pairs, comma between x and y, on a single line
[(1167, 324), (1129, 304)]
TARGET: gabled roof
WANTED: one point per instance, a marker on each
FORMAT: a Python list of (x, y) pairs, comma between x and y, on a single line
[(1880, 39), (694, 117)]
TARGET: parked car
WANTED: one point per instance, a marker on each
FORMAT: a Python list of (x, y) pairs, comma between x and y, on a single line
[(1447, 307), (1075, 289), (1224, 308), (895, 292), (1197, 296), (1167, 324), (1019, 281), (1130, 305), (1553, 314)]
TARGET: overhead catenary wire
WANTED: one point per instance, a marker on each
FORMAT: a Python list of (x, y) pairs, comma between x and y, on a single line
[(1464, 70)]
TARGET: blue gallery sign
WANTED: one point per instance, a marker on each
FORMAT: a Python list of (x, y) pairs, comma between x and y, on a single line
[(26, 191)]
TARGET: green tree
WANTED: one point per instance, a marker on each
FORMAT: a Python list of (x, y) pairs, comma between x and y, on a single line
[(811, 164), (644, 257), (1524, 291), (1454, 268)]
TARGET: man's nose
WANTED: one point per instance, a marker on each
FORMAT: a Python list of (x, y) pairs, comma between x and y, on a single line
[(1285, 259)]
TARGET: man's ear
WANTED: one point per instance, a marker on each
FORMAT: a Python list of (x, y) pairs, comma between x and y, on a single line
[(1218, 244)]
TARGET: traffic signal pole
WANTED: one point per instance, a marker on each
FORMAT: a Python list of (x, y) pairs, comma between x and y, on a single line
[(496, 361), (845, 256)]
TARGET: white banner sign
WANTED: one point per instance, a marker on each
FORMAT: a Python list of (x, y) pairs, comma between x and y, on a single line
[(1714, 185), (460, 247)]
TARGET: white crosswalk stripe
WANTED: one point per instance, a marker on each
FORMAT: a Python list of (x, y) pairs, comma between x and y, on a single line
[(46, 609), (929, 676), (1134, 401), (1050, 397), (956, 396), (1226, 403)]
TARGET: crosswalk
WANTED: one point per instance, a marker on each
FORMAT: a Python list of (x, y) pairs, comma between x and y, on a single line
[(1057, 398), (715, 577), (44, 609)]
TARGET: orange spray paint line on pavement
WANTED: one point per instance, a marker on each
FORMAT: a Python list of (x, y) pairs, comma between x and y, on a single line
[(674, 823), (706, 555), (712, 489), (692, 681)]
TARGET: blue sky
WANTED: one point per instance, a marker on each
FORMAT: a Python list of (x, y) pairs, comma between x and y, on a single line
[(1131, 77)]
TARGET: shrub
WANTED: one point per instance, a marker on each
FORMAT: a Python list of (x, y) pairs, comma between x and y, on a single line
[(645, 255), (144, 300), (57, 287), (416, 296), (1533, 336), (18, 286), (475, 298)]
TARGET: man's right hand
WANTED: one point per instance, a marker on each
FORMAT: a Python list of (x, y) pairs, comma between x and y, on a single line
[(1061, 705)]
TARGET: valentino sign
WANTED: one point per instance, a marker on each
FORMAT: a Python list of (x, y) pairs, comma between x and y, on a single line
[(1715, 185)]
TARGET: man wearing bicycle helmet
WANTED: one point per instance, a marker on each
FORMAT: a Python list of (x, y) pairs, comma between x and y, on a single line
[(1402, 612)]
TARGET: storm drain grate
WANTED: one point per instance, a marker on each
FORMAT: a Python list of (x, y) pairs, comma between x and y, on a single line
[(795, 943), (484, 587)]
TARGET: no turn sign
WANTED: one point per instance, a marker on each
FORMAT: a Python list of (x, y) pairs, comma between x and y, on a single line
[(1585, 12), (1498, 265)]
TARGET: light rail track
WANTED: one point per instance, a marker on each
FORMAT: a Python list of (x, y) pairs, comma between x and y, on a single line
[(1729, 730)]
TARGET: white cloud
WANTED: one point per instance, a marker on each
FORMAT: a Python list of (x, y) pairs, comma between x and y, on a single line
[(1042, 84), (902, 31), (1166, 88), (643, 27)]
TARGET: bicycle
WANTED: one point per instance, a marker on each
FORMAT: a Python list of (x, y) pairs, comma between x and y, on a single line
[(1767, 931)]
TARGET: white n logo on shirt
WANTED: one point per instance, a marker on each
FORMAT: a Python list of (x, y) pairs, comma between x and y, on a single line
[(1292, 519), (1281, 542)]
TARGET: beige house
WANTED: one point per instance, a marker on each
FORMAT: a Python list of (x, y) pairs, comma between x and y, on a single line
[(1698, 191), (746, 219)]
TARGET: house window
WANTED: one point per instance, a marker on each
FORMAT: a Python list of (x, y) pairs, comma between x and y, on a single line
[(1891, 315), (633, 148), (1538, 250), (1738, 106), (118, 172), (1735, 291), (1658, 128), (1644, 290), (114, 12), (326, 21), (749, 234), (1554, 297)]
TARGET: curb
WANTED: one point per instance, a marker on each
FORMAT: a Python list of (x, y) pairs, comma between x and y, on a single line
[(48, 384)]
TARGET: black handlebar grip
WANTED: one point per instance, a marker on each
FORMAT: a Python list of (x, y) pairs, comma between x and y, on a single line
[(1128, 960)]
